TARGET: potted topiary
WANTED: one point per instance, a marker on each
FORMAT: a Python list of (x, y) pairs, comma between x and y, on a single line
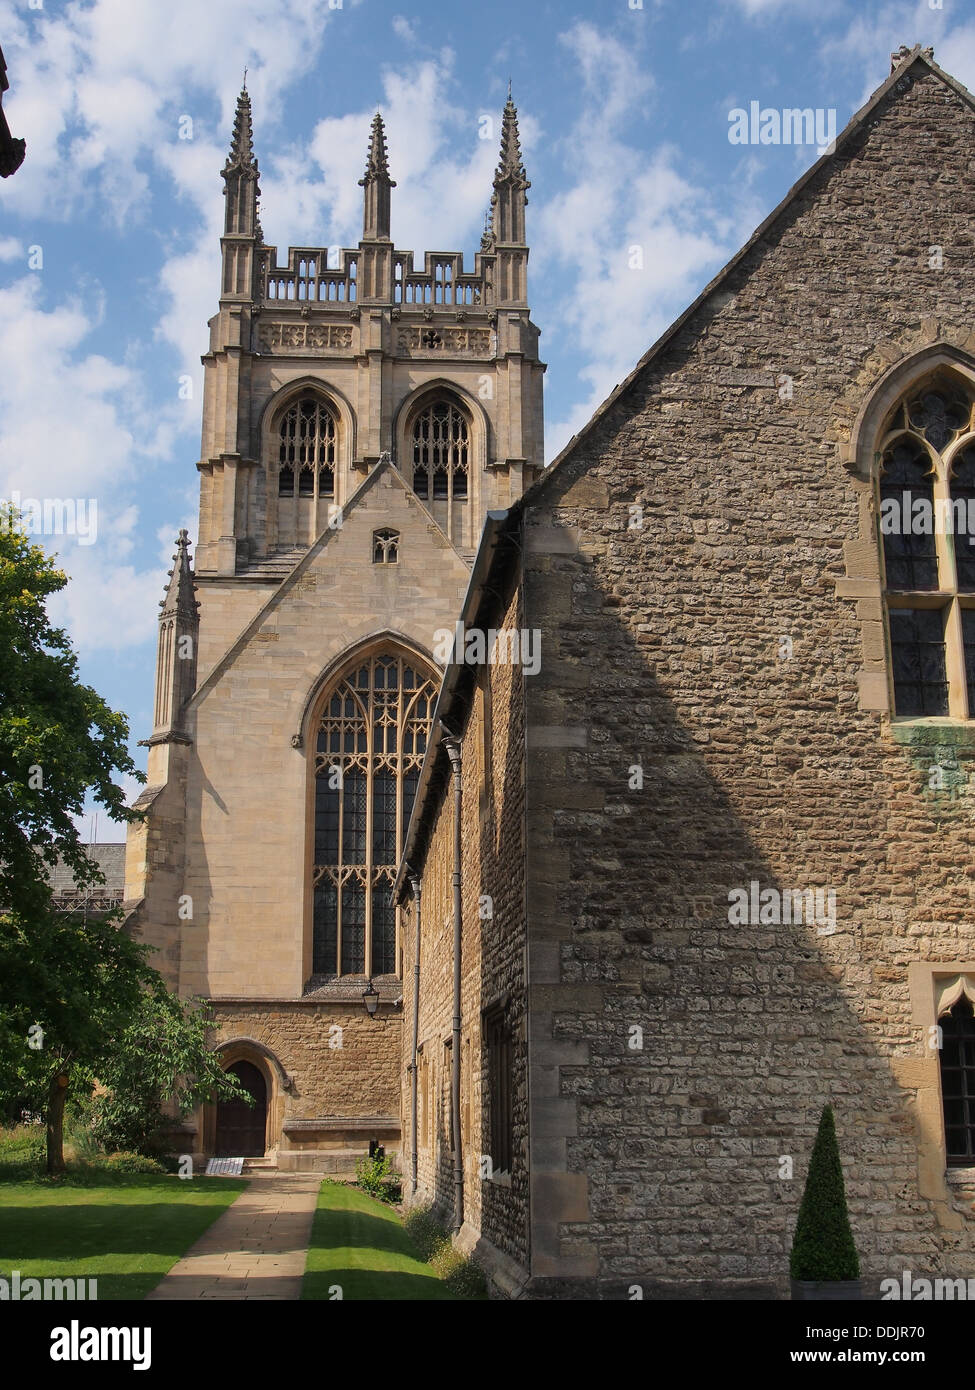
[(824, 1262)]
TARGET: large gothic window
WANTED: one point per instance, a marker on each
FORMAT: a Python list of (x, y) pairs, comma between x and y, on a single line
[(441, 453), (371, 740), (306, 452), (927, 528)]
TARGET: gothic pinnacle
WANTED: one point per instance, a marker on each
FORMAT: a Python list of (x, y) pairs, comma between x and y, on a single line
[(377, 166), (179, 591), (510, 165), (242, 143)]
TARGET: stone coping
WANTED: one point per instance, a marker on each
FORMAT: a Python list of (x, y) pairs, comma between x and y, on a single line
[(386, 1123)]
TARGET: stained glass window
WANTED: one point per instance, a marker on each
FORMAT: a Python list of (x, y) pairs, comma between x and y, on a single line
[(927, 498), (907, 521), (918, 652), (371, 739)]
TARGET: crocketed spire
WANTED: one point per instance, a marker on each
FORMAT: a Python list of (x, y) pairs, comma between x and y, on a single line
[(241, 154)]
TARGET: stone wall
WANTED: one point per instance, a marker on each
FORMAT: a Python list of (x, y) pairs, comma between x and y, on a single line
[(492, 954), (680, 747), (332, 1077)]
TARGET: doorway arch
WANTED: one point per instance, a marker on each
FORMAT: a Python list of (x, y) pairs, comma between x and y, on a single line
[(241, 1129)]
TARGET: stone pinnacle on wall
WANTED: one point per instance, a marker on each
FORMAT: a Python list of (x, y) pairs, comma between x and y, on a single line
[(510, 184), (179, 600), (510, 168), (376, 183), (377, 163), (242, 142)]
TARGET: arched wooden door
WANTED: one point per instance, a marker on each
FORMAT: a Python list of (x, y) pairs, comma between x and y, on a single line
[(241, 1128)]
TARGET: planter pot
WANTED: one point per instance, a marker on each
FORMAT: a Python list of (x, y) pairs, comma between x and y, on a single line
[(827, 1290)]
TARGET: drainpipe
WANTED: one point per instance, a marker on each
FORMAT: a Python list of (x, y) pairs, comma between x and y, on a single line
[(415, 884), (452, 745)]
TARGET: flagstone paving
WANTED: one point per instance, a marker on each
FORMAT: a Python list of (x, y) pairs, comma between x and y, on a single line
[(256, 1249)]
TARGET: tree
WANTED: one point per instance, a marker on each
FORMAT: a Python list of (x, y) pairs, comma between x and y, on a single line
[(162, 1058), (59, 740), (68, 988), (823, 1247)]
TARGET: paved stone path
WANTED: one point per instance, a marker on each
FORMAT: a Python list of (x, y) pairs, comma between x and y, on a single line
[(256, 1249)]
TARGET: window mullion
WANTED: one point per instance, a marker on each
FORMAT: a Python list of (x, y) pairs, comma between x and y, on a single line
[(955, 662), (370, 786)]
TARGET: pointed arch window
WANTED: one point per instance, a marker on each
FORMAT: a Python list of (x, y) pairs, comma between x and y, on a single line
[(371, 739), (307, 449), (957, 1062), (927, 532), (385, 547), (441, 452)]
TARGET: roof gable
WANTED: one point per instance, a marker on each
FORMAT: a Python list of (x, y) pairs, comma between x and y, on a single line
[(902, 63)]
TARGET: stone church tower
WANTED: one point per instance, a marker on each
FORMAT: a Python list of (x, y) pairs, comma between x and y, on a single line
[(361, 416)]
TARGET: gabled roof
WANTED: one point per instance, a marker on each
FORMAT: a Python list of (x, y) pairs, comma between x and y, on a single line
[(911, 57), (314, 550), (495, 552)]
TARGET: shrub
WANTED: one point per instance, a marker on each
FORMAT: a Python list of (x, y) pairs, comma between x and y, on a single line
[(459, 1272), (823, 1247), (425, 1232), (23, 1151), (374, 1175), (128, 1163)]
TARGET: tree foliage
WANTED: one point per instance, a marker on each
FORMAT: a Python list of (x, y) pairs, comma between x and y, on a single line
[(59, 740), (823, 1246), (161, 1059), (68, 986)]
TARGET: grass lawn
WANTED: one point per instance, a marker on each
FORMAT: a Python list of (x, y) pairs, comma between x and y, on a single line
[(360, 1245), (125, 1231)]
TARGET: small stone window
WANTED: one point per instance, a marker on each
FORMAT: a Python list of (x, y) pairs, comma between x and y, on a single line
[(307, 448), (385, 547), (499, 1049)]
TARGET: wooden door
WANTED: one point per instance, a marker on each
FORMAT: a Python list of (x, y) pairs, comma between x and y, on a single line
[(241, 1128)]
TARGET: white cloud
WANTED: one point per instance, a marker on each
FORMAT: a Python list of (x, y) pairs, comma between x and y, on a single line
[(869, 38), (439, 199), (761, 9), (633, 234), (11, 249), (403, 29), (98, 91), (76, 428)]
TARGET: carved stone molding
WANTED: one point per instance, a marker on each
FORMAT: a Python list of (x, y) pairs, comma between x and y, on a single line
[(276, 336)]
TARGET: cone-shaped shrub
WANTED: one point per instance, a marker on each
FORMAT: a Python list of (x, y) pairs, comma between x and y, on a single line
[(822, 1247)]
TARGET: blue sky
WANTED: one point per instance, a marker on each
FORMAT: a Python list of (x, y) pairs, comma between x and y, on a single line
[(624, 111)]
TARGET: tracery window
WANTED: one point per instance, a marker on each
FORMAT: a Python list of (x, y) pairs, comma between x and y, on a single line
[(927, 526), (385, 547), (370, 745), (441, 453), (957, 1060), (307, 449)]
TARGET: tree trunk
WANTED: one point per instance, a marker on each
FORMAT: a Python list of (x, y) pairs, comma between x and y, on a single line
[(56, 1097)]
